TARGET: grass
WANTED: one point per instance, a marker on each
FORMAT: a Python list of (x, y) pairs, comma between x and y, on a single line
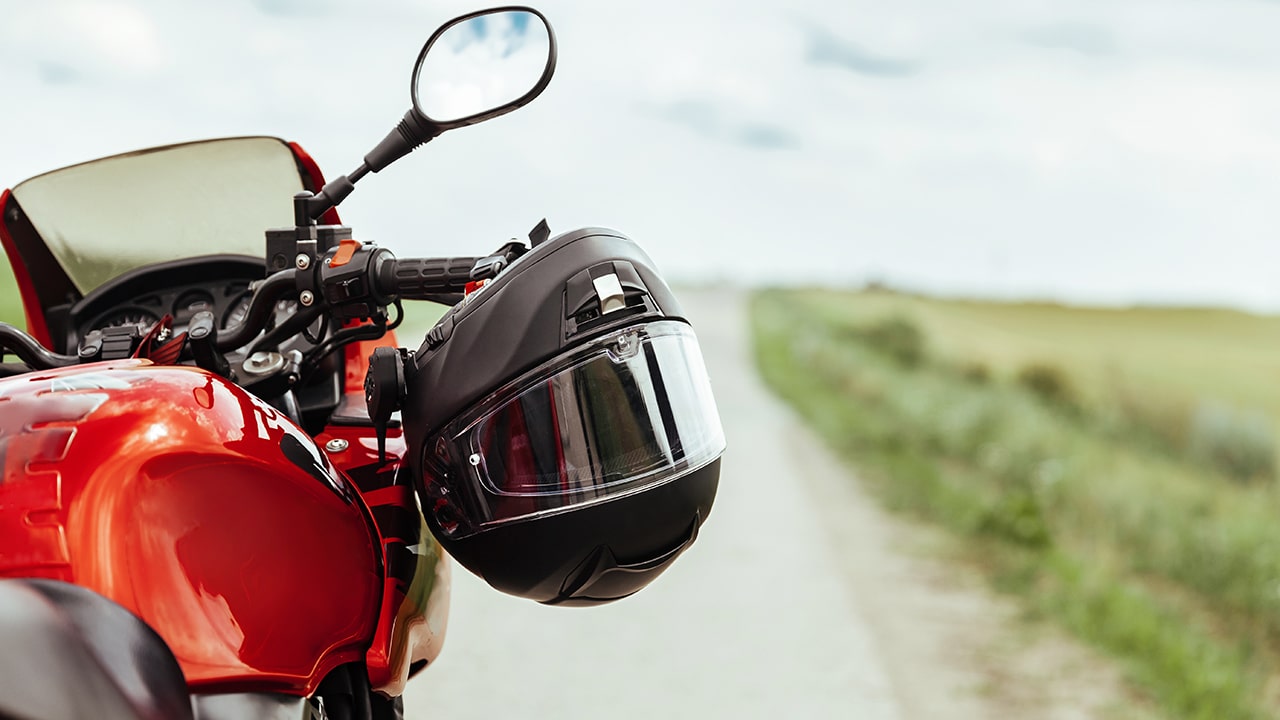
[(1179, 353), (10, 303), (1168, 563)]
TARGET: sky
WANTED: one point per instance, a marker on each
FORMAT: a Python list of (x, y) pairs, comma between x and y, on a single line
[(1085, 150)]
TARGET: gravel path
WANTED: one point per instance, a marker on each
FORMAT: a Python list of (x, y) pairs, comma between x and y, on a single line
[(798, 600)]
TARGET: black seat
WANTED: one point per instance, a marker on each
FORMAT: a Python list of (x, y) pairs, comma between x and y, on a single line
[(68, 652)]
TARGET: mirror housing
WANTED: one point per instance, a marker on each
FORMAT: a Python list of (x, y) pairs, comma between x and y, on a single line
[(417, 128), (486, 54)]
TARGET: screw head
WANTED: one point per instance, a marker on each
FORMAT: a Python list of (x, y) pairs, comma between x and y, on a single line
[(306, 298), (303, 261), (336, 445)]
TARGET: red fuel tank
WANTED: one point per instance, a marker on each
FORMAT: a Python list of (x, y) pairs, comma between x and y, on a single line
[(197, 506)]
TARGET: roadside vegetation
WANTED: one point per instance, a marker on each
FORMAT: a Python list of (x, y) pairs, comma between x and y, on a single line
[(1116, 469), (10, 303)]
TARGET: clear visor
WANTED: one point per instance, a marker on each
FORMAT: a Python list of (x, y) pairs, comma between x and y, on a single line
[(629, 411)]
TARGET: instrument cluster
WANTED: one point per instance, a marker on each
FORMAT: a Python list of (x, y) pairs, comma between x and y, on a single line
[(228, 300)]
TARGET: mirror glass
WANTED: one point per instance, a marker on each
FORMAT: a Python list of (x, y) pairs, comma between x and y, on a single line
[(481, 64)]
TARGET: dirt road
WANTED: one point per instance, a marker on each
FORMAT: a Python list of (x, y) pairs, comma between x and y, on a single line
[(800, 599)]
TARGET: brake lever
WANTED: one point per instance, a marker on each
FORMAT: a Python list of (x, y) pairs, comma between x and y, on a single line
[(487, 268)]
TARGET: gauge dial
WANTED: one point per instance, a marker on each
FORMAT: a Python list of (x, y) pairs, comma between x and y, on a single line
[(189, 304), (238, 312), (142, 319)]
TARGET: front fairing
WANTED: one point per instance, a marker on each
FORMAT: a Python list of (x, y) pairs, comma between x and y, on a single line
[(68, 231)]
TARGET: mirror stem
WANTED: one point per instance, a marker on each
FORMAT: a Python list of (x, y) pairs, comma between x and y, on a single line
[(334, 192), (409, 134)]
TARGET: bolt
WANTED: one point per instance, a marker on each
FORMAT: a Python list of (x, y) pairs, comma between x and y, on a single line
[(303, 261), (306, 298), (336, 445)]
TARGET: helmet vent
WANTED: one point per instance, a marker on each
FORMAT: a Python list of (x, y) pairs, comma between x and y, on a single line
[(609, 290)]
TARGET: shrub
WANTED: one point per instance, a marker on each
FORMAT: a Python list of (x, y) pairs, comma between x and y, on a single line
[(1016, 517), (1049, 383), (1240, 444), (898, 337), (976, 372)]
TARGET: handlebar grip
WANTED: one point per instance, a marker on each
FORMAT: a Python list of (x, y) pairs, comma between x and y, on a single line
[(423, 278)]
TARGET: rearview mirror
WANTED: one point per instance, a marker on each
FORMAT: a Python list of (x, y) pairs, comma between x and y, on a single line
[(483, 65), (474, 68)]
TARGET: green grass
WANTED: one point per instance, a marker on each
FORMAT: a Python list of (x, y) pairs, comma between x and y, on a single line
[(1171, 565), (10, 303), (1178, 354)]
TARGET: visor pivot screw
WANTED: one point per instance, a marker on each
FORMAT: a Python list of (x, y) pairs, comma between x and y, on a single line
[(336, 445), (474, 459), (306, 297), (303, 261)]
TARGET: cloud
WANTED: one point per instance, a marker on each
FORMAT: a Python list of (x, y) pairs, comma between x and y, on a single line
[(827, 49), (698, 115), (767, 137), (1083, 38), (292, 8), (82, 42), (57, 73), (714, 127), (712, 121)]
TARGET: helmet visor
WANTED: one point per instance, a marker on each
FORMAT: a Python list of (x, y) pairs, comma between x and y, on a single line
[(628, 411)]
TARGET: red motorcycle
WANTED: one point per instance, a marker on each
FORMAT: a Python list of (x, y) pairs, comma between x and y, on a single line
[(228, 493)]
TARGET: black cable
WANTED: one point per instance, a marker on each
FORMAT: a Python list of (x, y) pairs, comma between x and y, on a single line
[(399, 315), (261, 307), (339, 339), (296, 323), (16, 342)]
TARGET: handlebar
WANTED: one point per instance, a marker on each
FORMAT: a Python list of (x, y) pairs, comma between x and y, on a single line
[(423, 278), (369, 278), (31, 352), (261, 305)]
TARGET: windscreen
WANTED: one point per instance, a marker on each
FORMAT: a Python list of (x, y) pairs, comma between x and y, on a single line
[(104, 218)]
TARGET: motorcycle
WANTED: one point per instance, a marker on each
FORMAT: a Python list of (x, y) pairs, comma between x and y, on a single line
[(228, 492)]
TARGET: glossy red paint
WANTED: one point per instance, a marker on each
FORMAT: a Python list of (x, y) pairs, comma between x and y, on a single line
[(36, 326), (199, 508), (414, 612)]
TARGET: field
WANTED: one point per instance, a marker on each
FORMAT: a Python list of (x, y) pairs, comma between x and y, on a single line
[(1116, 469), (1175, 354)]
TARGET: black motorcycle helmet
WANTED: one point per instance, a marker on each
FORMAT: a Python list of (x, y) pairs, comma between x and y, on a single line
[(561, 426)]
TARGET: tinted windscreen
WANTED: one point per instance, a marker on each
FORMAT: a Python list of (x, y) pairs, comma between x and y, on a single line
[(106, 217)]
